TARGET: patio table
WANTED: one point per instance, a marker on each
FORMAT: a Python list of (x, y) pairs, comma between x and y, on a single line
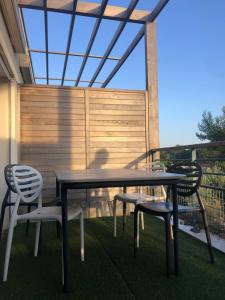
[(93, 178)]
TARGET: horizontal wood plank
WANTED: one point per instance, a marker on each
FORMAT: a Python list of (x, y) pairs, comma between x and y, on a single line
[(117, 107), (107, 101), (46, 121), (54, 116), (117, 134), (57, 134), (114, 117), (121, 123), (118, 112), (52, 110)]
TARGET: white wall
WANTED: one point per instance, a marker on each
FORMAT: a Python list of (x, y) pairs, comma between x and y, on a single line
[(9, 104), (4, 132), (14, 122)]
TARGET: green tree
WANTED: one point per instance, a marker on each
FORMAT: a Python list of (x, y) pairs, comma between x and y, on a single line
[(212, 128)]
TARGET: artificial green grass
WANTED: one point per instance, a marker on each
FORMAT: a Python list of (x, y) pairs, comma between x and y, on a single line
[(109, 270)]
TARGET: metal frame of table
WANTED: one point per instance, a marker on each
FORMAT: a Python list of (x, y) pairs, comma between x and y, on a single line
[(69, 180)]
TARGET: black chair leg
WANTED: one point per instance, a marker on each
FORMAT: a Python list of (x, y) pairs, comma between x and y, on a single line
[(28, 222), (58, 230), (124, 214), (167, 235), (135, 231), (208, 238), (58, 225), (4, 205)]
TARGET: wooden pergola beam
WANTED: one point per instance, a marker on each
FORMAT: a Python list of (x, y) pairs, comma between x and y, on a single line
[(152, 84), (152, 77), (14, 25), (87, 9), (27, 43)]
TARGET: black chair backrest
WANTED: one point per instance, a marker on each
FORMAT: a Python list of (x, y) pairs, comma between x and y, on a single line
[(9, 177), (190, 184)]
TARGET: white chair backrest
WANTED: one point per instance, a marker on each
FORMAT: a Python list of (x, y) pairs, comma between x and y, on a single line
[(28, 182)]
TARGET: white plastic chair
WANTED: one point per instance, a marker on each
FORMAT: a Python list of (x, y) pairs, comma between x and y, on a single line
[(156, 194), (28, 184)]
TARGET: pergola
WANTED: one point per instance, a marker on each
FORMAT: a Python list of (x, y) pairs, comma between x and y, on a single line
[(99, 11)]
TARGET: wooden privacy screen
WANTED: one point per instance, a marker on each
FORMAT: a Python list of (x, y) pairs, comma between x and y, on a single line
[(78, 128)]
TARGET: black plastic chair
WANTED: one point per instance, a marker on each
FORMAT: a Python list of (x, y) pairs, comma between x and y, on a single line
[(186, 188)]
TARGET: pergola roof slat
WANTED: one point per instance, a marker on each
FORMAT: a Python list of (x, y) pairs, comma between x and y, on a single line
[(69, 41), (115, 38), (157, 10), (92, 39), (66, 79), (73, 54), (129, 50), (46, 38)]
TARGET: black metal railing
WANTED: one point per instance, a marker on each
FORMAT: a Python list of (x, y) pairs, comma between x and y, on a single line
[(211, 157)]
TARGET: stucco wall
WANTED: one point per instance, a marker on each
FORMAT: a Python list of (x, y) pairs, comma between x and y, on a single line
[(4, 132)]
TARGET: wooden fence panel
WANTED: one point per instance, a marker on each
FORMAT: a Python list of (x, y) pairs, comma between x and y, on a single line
[(78, 128)]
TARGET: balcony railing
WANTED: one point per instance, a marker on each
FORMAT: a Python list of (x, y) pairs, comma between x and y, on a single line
[(211, 157)]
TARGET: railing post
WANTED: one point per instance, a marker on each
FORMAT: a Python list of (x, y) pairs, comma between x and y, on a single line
[(155, 155), (193, 154)]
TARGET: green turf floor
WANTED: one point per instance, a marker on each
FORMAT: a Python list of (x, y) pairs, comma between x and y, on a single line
[(109, 270)]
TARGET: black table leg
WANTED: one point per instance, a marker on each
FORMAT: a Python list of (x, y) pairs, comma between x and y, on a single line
[(57, 188), (176, 228), (65, 246), (58, 203)]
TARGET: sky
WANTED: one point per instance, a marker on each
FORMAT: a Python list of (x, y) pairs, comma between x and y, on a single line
[(191, 59)]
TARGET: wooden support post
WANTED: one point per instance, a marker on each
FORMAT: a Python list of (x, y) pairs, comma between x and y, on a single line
[(87, 129), (148, 157), (87, 144), (193, 154), (152, 85)]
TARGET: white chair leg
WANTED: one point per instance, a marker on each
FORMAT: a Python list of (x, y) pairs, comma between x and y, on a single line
[(82, 236), (8, 249), (142, 221), (138, 229), (171, 231), (38, 227), (114, 216)]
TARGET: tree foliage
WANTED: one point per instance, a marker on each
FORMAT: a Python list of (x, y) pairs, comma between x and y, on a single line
[(212, 128)]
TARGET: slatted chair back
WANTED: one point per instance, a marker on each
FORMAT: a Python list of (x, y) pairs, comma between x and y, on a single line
[(28, 182), (9, 177), (190, 184)]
